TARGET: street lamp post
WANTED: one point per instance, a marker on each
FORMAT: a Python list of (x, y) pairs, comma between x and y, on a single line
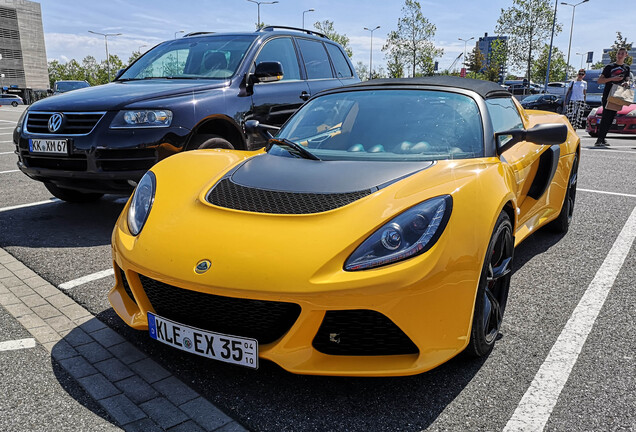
[(106, 42), (178, 31), (371, 52), (308, 10), (465, 43), (571, 27), (258, 25), (547, 73)]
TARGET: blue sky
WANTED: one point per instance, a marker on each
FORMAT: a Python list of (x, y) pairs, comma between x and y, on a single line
[(148, 22)]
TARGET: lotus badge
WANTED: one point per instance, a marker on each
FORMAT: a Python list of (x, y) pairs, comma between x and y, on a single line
[(202, 266)]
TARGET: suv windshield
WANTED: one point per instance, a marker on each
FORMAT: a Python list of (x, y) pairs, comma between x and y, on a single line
[(209, 57), (400, 125)]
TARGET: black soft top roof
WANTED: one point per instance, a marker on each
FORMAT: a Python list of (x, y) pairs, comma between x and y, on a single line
[(486, 89)]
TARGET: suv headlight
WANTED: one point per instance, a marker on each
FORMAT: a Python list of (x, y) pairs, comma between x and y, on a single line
[(18, 125), (409, 234), (142, 118), (141, 203)]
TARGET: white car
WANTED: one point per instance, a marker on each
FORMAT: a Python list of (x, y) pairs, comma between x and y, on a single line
[(10, 99), (557, 88)]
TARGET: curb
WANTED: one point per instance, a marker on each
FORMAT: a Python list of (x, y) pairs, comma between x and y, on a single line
[(135, 391)]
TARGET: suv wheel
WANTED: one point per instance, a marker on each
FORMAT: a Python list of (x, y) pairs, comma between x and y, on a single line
[(14, 104), (215, 141), (73, 196)]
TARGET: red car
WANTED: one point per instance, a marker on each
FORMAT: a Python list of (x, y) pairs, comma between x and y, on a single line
[(624, 122)]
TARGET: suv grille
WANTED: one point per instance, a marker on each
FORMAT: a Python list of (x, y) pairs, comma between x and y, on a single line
[(265, 321), (363, 333), (75, 124), (231, 195)]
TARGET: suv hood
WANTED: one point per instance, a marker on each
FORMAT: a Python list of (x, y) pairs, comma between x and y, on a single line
[(119, 94)]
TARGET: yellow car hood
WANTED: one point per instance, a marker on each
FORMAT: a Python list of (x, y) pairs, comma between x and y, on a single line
[(292, 253)]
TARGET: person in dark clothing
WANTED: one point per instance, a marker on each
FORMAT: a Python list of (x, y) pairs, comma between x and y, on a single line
[(614, 73)]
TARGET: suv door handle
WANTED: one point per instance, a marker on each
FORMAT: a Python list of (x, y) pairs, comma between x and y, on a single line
[(304, 95)]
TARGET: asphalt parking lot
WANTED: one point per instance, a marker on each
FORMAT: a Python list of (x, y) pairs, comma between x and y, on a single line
[(565, 361)]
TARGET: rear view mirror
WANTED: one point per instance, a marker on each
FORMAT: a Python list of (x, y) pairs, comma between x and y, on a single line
[(543, 134), (268, 72)]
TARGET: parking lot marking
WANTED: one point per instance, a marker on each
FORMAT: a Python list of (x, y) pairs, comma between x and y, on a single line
[(3, 153), (86, 279), (537, 403), (10, 171), (607, 193), (606, 151), (17, 344), (52, 200)]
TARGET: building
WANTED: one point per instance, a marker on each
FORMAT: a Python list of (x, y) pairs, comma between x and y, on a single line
[(606, 58), (23, 66), (484, 44)]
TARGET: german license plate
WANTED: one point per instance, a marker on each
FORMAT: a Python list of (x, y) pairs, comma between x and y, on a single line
[(226, 348), (56, 146)]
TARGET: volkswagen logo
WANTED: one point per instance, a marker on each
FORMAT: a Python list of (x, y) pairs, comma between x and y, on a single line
[(202, 266), (55, 122)]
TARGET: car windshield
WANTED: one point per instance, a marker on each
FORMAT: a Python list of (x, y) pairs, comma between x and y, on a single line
[(400, 125), (208, 57), (70, 85), (532, 98)]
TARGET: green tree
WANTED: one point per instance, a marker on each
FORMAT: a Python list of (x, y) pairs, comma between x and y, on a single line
[(620, 42), (394, 65), (598, 65), (362, 70), (497, 60), (528, 24), (326, 27), (134, 56), (475, 60), (557, 66), (411, 44)]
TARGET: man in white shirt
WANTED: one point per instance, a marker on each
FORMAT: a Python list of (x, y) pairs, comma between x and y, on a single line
[(576, 94)]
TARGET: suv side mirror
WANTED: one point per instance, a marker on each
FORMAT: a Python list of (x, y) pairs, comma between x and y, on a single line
[(268, 72), (118, 74), (543, 134)]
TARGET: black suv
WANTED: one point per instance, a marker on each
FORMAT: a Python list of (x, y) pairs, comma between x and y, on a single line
[(189, 93)]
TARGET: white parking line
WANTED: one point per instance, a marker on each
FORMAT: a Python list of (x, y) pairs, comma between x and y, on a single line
[(10, 171), (604, 192), (17, 344), (535, 407), (5, 153), (52, 200), (86, 279), (606, 151)]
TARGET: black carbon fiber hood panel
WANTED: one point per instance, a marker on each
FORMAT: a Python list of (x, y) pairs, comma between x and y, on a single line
[(275, 173)]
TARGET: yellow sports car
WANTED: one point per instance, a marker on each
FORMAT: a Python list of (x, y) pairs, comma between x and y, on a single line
[(373, 236)]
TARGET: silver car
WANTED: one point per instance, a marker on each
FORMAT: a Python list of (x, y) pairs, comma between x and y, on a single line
[(9, 99)]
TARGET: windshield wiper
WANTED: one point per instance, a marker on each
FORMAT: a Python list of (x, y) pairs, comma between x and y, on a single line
[(292, 147)]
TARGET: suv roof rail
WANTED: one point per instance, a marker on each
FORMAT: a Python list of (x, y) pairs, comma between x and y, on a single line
[(198, 33), (311, 32)]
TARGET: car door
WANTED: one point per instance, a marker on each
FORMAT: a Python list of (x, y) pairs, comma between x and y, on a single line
[(274, 102), (533, 165), (320, 74)]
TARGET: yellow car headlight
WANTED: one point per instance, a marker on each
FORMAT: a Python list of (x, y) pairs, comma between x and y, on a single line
[(409, 234), (141, 203)]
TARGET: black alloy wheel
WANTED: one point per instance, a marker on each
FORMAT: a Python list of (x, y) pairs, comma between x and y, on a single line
[(14, 104), (562, 223), (492, 293)]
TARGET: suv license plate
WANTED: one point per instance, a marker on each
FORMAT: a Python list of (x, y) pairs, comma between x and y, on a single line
[(56, 146), (230, 349)]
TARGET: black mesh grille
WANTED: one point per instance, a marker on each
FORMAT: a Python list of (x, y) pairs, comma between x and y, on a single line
[(265, 321), (75, 124), (231, 195), (76, 162), (125, 159), (126, 286), (361, 332)]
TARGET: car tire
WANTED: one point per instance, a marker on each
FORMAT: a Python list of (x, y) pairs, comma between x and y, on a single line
[(217, 142), (593, 134), (14, 104), (72, 196), (492, 292), (562, 223)]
